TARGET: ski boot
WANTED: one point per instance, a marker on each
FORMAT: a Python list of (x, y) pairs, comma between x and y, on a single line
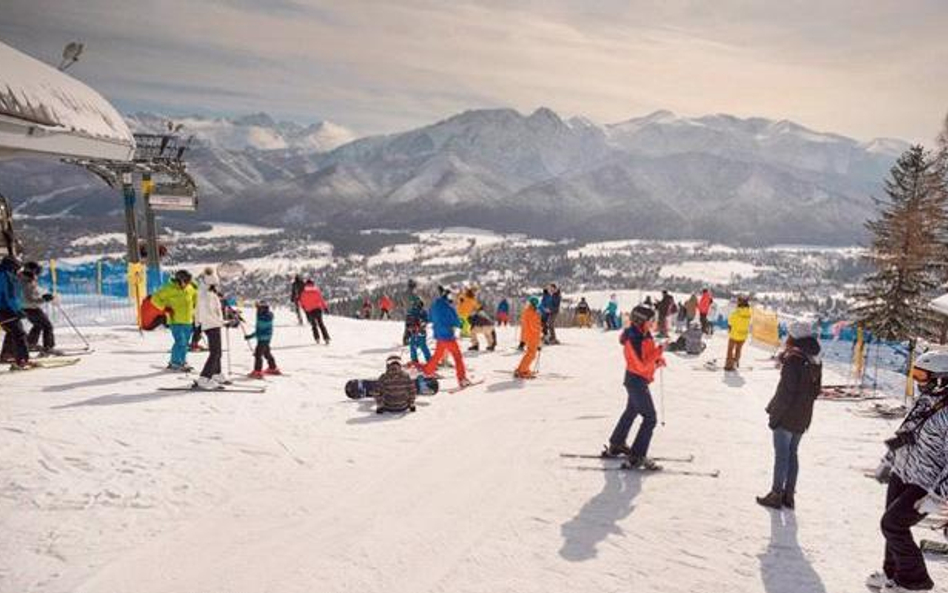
[(878, 580), (273, 371), (474, 348), (788, 502), (22, 365), (642, 463), (773, 500), (220, 379), (255, 375), (518, 374), (465, 382), (616, 450), (492, 347), (206, 384)]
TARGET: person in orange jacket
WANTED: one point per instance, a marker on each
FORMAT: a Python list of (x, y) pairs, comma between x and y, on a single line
[(642, 358), (531, 332), (385, 307), (704, 308)]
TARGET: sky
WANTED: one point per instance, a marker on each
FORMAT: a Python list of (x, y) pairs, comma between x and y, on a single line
[(864, 68)]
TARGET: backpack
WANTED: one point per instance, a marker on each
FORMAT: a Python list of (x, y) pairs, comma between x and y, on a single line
[(150, 315)]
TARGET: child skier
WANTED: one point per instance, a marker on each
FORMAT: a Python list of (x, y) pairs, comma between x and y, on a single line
[(263, 331), (396, 390), (612, 313), (503, 312), (444, 319), (642, 358), (178, 298), (415, 320), (33, 301), (531, 332)]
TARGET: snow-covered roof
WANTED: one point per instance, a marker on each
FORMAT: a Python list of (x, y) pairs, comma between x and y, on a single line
[(940, 304), (44, 111)]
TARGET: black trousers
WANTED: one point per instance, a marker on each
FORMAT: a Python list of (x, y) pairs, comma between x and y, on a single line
[(14, 336), (260, 352), (212, 366), (41, 326), (316, 320), (196, 336), (903, 561)]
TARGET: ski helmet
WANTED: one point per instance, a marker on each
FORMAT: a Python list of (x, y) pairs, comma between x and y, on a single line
[(33, 268), (534, 301), (935, 371), (642, 313)]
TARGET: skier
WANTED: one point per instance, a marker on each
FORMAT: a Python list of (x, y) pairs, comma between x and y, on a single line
[(33, 301), (416, 319), (296, 289), (209, 315), (738, 327), (263, 331), (396, 390), (916, 468), (531, 332), (503, 312), (583, 314), (467, 304), (665, 307), (406, 335), (313, 303), (612, 313), (177, 298), (704, 308), (691, 310), (366, 308), (791, 411), (443, 320), (546, 302), (385, 307), (482, 325), (11, 312), (553, 313), (642, 358)]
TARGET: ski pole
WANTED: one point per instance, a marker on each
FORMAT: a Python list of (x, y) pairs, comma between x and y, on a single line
[(536, 370), (661, 392), (243, 330), (72, 325)]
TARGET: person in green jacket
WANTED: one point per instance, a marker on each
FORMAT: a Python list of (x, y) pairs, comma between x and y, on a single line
[(177, 298), (738, 324)]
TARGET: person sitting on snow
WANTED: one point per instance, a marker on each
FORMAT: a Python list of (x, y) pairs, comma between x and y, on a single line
[(396, 389)]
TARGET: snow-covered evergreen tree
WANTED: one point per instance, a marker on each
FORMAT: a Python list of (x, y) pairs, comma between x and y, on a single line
[(908, 249)]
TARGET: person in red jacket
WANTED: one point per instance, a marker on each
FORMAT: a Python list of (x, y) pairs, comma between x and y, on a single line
[(312, 302), (642, 358), (385, 307), (704, 308)]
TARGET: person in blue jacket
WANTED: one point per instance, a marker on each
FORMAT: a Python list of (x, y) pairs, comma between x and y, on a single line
[(444, 319), (11, 313), (416, 320), (503, 312)]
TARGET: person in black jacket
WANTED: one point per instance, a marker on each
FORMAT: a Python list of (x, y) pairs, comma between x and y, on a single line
[(296, 289), (791, 410)]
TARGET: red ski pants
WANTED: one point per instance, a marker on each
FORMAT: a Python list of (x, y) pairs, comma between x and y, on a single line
[(443, 347)]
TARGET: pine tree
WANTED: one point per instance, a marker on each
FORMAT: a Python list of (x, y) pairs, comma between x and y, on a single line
[(908, 249)]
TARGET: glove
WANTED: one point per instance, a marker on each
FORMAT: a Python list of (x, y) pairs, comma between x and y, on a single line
[(47, 297), (928, 505), (882, 473)]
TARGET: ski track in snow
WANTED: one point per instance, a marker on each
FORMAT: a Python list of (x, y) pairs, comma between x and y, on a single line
[(107, 484)]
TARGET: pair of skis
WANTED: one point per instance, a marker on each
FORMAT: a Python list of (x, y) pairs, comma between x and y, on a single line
[(626, 467), (52, 362)]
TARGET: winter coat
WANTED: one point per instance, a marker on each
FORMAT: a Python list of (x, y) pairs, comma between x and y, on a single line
[(263, 330), (443, 319), (582, 307), (693, 340), (397, 390), (612, 308), (385, 303), (531, 329), (642, 355), (32, 295), (801, 378), (555, 298), (208, 313), (312, 299), (691, 307), (924, 463), (704, 303), (416, 318), (665, 305), (9, 289), (739, 322), (481, 319), (296, 289), (546, 303), (467, 304), (180, 300), (503, 307)]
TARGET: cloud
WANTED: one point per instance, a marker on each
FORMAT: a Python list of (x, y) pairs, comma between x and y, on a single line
[(382, 66)]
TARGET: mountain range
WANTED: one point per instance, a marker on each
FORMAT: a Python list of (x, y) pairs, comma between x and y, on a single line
[(717, 177)]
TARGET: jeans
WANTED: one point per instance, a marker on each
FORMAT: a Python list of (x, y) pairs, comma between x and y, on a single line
[(639, 403), (903, 561), (786, 466), (416, 342), (213, 364), (181, 332)]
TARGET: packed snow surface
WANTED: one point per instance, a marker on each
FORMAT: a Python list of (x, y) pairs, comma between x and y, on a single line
[(108, 484)]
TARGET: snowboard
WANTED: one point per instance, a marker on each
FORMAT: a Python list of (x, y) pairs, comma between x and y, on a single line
[(362, 388)]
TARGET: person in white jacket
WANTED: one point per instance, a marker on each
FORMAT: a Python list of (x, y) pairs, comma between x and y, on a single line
[(210, 316)]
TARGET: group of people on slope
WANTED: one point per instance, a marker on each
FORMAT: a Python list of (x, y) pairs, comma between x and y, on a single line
[(21, 297)]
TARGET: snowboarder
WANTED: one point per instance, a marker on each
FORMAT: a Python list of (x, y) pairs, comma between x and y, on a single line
[(642, 358), (552, 312), (583, 314), (443, 320), (11, 312), (385, 307), (503, 312), (916, 469), (396, 389), (612, 313), (313, 303), (467, 304), (33, 301), (177, 298), (791, 411), (704, 308), (664, 308), (482, 325), (209, 315), (263, 332), (689, 342), (296, 289), (738, 327), (416, 319), (531, 332)]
